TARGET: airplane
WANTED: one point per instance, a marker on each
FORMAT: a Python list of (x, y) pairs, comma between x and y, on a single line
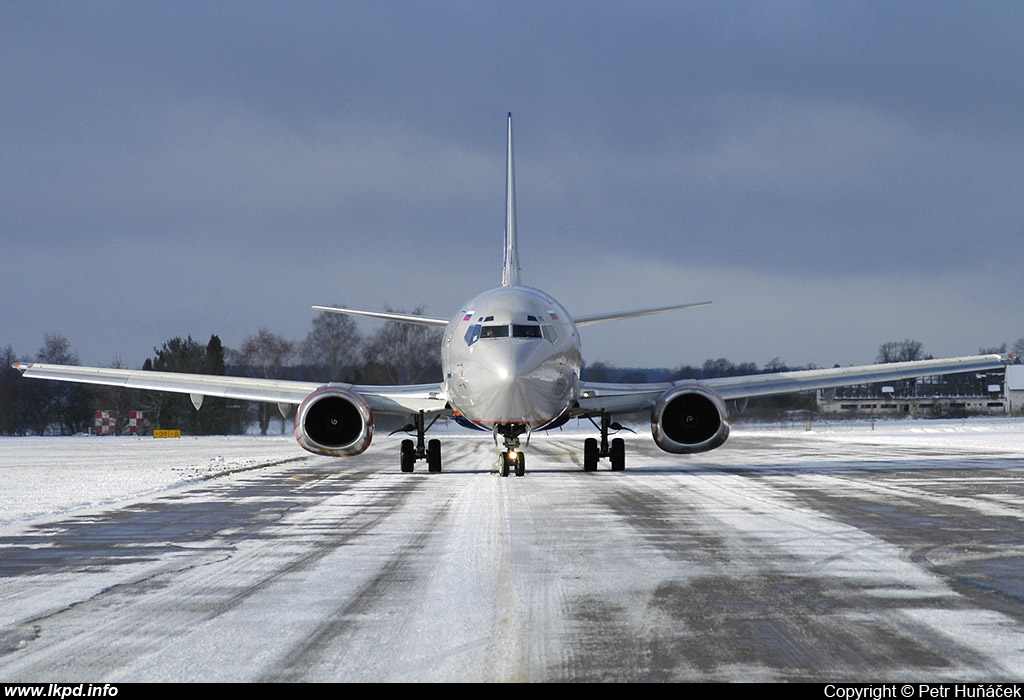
[(511, 360)]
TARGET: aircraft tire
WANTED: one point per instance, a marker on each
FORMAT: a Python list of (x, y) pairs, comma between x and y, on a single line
[(434, 456), (617, 454), (408, 456), (590, 456), (504, 464), (520, 464)]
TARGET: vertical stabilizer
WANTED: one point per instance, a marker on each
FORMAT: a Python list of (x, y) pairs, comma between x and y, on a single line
[(510, 270)]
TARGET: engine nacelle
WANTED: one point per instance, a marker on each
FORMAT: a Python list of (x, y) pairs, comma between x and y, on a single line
[(335, 422), (689, 418)]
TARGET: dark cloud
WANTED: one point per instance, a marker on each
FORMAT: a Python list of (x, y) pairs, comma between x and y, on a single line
[(199, 168)]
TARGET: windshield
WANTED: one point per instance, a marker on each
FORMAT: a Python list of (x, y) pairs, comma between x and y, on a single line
[(494, 332), (517, 330)]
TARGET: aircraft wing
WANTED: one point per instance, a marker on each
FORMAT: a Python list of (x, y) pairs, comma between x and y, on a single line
[(387, 316), (382, 399), (625, 398), (635, 313)]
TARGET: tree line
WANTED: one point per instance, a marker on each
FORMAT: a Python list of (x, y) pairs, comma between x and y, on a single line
[(334, 350)]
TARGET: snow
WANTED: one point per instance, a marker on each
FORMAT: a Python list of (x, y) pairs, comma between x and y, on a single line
[(791, 553), (43, 477), (996, 436)]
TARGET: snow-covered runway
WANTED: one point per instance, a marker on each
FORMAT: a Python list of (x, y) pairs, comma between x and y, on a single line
[(839, 553)]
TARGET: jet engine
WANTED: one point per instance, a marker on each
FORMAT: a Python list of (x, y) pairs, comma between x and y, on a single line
[(689, 418), (334, 421)]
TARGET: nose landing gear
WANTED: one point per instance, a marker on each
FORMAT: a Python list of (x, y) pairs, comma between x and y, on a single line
[(512, 459)]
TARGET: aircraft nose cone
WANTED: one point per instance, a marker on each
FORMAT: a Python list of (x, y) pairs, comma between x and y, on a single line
[(510, 386), (510, 393)]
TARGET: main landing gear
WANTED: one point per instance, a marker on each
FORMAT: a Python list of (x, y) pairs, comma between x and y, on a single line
[(615, 452), (512, 459), (412, 451)]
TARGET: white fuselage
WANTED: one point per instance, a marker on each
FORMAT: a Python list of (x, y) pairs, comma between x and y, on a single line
[(511, 357)]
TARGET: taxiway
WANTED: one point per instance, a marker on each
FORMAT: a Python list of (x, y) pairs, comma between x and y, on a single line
[(836, 554)]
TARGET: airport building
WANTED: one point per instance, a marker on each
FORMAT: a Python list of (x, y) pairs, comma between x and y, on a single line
[(1015, 389), (952, 396)]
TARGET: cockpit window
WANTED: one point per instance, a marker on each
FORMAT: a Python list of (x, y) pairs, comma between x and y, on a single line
[(494, 332), (525, 331), (517, 330)]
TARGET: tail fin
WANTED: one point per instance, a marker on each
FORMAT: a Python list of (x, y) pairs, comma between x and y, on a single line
[(510, 270)]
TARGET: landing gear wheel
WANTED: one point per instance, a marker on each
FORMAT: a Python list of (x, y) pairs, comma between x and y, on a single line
[(590, 455), (408, 456), (617, 455), (504, 464), (434, 456), (520, 464)]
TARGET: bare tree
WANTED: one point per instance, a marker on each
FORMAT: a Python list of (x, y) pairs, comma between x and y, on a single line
[(65, 407), (332, 346), (403, 353), (900, 351), (1018, 350), (56, 349), (265, 355)]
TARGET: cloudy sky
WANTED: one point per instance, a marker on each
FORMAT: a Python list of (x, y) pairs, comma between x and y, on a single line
[(832, 175)]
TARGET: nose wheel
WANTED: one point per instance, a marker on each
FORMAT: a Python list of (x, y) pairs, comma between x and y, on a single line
[(513, 461)]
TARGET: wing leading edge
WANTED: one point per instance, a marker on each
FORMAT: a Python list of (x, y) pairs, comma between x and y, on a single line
[(387, 316), (635, 313), (624, 398), (382, 399)]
